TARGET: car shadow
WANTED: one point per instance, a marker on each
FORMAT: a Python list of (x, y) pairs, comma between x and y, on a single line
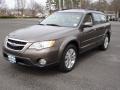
[(37, 70), (84, 56)]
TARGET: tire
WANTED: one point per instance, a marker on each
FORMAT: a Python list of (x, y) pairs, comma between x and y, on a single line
[(106, 42), (68, 59)]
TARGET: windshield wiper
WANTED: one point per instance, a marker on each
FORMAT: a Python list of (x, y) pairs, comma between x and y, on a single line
[(50, 24), (53, 25), (41, 24)]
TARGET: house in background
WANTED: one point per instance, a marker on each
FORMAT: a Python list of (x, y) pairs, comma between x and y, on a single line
[(111, 15)]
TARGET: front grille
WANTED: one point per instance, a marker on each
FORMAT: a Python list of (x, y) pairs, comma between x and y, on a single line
[(16, 44)]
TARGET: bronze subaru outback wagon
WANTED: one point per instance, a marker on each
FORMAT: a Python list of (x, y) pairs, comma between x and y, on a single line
[(58, 39)]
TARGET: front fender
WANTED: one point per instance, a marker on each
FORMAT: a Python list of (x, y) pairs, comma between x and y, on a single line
[(64, 43)]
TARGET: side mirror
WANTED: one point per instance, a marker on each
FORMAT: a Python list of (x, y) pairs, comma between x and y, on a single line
[(87, 24)]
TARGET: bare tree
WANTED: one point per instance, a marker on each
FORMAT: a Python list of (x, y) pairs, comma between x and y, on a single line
[(36, 7), (39, 8), (32, 4), (20, 6), (23, 5), (17, 6), (101, 5), (3, 7), (115, 6), (68, 4), (85, 4)]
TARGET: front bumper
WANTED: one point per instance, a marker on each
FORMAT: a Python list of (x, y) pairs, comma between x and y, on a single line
[(30, 57)]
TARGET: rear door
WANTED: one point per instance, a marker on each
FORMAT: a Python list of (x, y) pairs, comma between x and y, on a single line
[(100, 25)]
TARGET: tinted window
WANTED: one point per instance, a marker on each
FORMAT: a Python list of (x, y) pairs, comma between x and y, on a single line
[(103, 18), (99, 18)]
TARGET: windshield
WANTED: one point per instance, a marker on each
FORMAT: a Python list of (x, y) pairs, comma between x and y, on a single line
[(64, 19)]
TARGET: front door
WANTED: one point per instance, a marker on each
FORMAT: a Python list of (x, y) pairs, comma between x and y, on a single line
[(88, 32)]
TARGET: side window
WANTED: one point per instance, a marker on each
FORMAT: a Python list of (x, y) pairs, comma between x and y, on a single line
[(88, 18), (97, 19), (103, 18)]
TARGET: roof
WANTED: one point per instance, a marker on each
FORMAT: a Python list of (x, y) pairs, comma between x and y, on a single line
[(81, 10)]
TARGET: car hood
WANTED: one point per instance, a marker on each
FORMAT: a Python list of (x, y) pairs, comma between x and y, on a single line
[(40, 33)]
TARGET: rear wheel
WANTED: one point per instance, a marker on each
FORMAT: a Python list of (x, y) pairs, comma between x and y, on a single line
[(69, 58)]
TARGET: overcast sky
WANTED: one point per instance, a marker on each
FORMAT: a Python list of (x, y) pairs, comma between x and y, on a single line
[(11, 3)]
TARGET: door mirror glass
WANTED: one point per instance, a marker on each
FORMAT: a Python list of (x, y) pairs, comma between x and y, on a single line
[(87, 24)]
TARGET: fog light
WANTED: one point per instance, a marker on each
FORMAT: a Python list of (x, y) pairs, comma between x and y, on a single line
[(42, 61)]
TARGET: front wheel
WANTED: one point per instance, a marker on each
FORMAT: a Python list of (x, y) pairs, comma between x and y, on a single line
[(105, 44), (69, 58)]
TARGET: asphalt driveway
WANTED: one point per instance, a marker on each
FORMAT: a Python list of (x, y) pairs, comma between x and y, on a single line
[(95, 70)]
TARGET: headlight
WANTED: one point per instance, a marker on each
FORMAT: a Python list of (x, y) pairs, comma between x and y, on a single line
[(42, 45)]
